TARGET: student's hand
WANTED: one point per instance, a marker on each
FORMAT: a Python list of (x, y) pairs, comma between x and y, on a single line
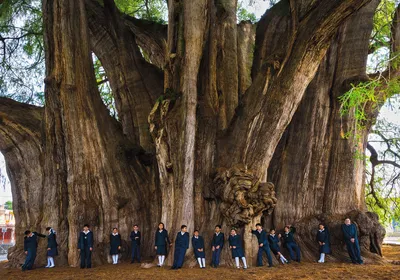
[(91, 249), (170, 244), (217, 247), (213, 248), (234, 247), (48, 249), (323, 243), (261, 244), (230, 247), (136, 237), (352, 240), (320, 243), (279, 235), (26, 252), (119, 247), (155, 247)]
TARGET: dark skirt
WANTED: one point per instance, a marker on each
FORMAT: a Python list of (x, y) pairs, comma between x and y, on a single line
[(325, 249), (53, 252), (237, 253), (198, 254), (275, 249), (114, 250), (162, 250)]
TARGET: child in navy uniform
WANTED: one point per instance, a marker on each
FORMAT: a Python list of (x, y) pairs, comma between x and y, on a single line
[(323, 239), (135, 238), (51, 247), (290, 243), (351, 238), (85, 247), (30, 248), (161, 243), (235, 243), (274, 245), (181, 245), (198, 248), (217, 245), (115, 245), (263, 245)]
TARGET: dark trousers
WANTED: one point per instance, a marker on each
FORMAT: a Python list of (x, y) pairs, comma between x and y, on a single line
[(215, 257), (29, 260), (179, 257), (135, 252), (265, 249), (293, 247), (86, 258), (354, 251)]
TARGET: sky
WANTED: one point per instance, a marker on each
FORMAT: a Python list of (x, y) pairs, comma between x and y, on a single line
[(258, 8)]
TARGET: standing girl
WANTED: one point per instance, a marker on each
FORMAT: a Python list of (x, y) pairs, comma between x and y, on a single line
[(235, 243), (324, 242), (161, 243), (115, 242), (51, 247)]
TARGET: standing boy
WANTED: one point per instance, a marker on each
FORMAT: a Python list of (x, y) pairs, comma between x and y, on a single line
[(351, 238), (198, 248), (135, 238), (30, 248), (85, 247), (217, 245), (263, 245), (235, 243), (181, 245)]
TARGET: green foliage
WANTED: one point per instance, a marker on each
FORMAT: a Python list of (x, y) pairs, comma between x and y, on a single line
[(244, 15), (8, 205), (153, 10)]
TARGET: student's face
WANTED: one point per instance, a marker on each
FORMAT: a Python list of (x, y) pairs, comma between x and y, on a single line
[(233, 232), (272, 232), (184, 229), (217, 229), (286, 229), (85, 228), (258, 227), (160, 226), (347, 221), (321, 227), (135, 228), (196, 233), (115, 230)]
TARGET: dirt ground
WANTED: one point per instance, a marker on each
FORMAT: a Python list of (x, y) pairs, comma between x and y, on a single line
[(292, 271)]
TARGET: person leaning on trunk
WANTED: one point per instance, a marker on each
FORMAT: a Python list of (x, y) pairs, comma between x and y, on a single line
[(85, 247), (181, 245), (30, 248), (351, 239)]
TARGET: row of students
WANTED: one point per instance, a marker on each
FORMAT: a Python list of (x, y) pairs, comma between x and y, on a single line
[(266, 242)]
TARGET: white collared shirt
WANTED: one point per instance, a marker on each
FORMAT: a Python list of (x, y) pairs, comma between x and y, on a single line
[(115, 234), (182, 232), (86, 232)]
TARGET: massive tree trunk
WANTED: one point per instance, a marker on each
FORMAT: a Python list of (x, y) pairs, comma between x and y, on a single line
[(220, 109)]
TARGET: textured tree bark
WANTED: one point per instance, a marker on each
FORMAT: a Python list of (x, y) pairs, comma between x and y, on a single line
[(193, 147)]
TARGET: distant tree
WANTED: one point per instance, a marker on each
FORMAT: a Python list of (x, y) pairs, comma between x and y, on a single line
[(8, 205)]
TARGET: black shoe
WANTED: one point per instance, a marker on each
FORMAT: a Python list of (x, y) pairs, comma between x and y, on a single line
[(132, 261), (270, 265)]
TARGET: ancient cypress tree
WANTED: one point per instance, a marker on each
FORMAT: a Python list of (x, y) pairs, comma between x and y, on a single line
[(223, 123)]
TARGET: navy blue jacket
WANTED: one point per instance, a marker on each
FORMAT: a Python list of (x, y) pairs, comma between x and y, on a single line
[(135, 241), (31, 243), (237, 242), (218, 240), (288, 237), (261, 237), (197, 243), (349, 231), (182, 241), (273, 241), (89, 240), (161, 239), (51, 240), (323, 236)]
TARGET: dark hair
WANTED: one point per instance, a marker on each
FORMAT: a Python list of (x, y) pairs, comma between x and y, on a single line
[(196, 230), (27, 232), (271, 229), (218, 226), (258, 224), (321, 224), (288, 227), (163, 226), (135, 225), (183, 226), (115, 228), (86, 225), (234, 229), (48, 228)]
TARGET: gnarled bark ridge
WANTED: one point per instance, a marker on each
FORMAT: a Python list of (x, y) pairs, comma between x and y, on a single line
[(228, 124)]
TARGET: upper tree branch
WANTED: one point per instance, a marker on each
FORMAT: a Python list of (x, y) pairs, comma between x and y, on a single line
[(19, 122)]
